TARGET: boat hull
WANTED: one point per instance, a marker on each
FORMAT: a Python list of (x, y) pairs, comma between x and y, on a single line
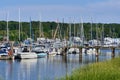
[(26, 55), (52, 54), (41, 55), (6, 57)]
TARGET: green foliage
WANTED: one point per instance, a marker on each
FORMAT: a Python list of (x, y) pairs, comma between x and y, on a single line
[(111, 30), (108, 70)]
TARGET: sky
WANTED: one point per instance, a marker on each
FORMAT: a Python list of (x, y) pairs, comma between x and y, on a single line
[(100, 11)]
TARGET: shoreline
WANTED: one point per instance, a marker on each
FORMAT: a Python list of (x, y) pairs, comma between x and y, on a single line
[(106, 70)]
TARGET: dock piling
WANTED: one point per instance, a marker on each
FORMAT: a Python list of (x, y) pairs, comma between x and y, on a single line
[(97, 51), (113, 52), (80, 54)]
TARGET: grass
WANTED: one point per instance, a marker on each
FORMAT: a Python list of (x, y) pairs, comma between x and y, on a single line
[(108, 70)]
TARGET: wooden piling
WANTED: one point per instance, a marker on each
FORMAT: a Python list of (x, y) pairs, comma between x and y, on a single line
[(97, 51), (80, 49), (64, 51), (113, 52), (97, 58), (11, 50), (80, 54)]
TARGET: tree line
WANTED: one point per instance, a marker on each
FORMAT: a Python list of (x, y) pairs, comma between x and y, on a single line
[(47, 29)]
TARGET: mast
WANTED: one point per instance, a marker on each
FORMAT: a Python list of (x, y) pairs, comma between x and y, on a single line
[(97, 33), (61, 30), (82, 32), (70, 32), (91, 28), (74, 28), (30, 27), (7, 27), (19, 24), (21, 28), (102, 34), (56, 30), (40, 27), (41, 34)]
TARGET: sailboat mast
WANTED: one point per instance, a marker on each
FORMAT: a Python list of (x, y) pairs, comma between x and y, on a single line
[(54, 36), (91, 28), (41, 34), (74, 29), (102, 40), (69, 29), (7, 27), (97, 33), (61, 30), (30, 27), (82, 32), (19, 25), (40, 27), (70, 32)]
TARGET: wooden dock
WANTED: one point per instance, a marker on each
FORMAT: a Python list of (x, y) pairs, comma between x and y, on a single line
[(97, 48)]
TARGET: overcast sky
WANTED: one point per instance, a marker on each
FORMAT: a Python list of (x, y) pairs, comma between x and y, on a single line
[(103, 11)]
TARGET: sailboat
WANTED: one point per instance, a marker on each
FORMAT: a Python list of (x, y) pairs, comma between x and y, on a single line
[(55, 48), (40, 50), (25, 53), (5, 52), (72, 39), (5, 48), (40, 47)]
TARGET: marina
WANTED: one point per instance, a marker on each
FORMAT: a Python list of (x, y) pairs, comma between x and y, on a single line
[(59, 40), (28, 50), (53, 58)]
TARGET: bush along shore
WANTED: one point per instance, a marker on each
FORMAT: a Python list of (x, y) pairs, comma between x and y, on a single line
[(107, 70)]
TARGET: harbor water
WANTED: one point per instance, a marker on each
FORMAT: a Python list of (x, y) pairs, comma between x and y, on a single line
[(49, 68)]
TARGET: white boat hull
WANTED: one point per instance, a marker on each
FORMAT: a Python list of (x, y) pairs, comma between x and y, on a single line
[(52, 53), (26, 55)]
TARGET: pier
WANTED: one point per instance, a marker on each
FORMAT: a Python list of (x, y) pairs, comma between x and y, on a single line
[(97, 48)]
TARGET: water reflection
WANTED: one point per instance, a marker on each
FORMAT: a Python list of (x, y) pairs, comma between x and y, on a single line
[(48, 68)]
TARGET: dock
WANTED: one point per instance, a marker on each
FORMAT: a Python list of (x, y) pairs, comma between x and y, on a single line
[(97, 48)]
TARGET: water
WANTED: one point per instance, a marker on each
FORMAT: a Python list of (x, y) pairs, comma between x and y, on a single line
[(48, 68)]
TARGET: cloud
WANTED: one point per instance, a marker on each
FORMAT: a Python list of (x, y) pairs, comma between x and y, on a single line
[(105, 7), (47, 11), (105, 11)]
